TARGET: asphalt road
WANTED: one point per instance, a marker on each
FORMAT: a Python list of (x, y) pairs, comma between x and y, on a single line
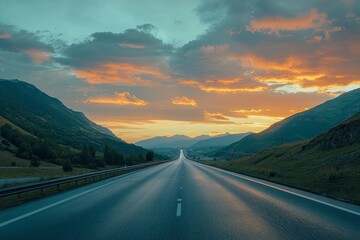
[(182, 200)]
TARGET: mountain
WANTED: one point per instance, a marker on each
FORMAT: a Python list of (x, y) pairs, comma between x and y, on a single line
[(176, 141), (327, 164), (345, 134), (47, 118), (301, 126), (220, 140)]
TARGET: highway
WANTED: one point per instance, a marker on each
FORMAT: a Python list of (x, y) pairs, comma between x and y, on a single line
[(181, 199)]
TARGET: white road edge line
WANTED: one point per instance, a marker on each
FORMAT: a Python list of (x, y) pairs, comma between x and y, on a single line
[(287, 191), (62, 201), (178, 210)]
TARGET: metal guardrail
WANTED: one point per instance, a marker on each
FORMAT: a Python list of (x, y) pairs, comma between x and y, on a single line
[(88, 176)]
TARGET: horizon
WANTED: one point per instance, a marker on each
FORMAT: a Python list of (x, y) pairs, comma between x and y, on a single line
[(202, 67)]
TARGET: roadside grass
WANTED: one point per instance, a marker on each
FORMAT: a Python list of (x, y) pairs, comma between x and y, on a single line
[(334, 173), (13, 167), (41, 172), (7, 159)]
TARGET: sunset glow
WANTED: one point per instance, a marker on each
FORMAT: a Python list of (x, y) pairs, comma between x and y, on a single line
[(203, 67)]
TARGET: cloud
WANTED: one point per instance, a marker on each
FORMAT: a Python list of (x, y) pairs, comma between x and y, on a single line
[(130, 45), (21, 41), (183, 101), (121, 73), (5, 35), (124, 98), (247, 110), (221, 86), (274, 25), (37, 56), (215, 116), (290, 64), (132, 57), (317, 43)]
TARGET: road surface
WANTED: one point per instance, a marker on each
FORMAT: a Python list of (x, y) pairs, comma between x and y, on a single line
[(181, 199)]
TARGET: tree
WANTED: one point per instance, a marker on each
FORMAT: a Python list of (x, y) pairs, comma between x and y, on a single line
[(140, 158), (24, 151), (44, 150), (67, 167), (35, 161), (113, 157), (100, 163), (150, 156), (87, 155)]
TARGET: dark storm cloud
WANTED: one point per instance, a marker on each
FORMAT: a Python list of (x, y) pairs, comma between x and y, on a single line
[(12, 40), (134, 45), (310, 43)]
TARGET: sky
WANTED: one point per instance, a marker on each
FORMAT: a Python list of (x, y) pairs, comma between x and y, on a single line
[(158, 68)]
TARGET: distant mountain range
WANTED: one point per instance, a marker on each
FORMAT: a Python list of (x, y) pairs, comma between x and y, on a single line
[(199, 142), (220, 140), (301, 126), (176, 141), (45, 117)]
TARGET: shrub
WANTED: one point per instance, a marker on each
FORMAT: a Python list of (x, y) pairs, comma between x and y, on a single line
[(67, 167), (272, 174), (35, 162)]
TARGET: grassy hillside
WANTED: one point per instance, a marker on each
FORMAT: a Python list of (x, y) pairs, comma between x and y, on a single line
[(38, 129), (328, 164), (301, 126), (45, 117)]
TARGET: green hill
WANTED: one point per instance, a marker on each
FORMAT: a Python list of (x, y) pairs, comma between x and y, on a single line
[(47, 118), (328, 164), (301, 126)]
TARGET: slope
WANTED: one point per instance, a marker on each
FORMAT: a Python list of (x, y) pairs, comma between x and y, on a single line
[(176, 141), (45, 117), (301, 126), (328, 164), (220, 141)]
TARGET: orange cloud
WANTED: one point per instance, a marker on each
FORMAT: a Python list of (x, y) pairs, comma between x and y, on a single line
[(214, 116), (291, 64), (273, 25), (229, 81), (300, 79), (183, 101), (5, 36), (247, 111), (124, 98), (223, 88), (131, 45), (232, 90), (125, 73), (37, 56)]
